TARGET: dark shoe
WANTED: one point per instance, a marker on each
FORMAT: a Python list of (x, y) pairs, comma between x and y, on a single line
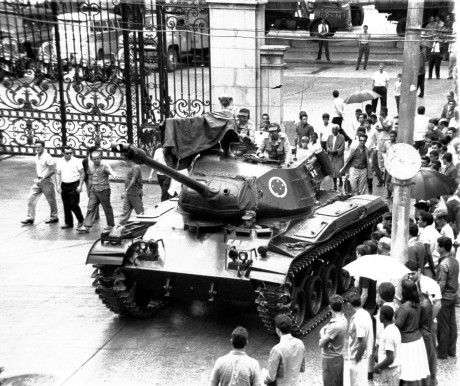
[(380, 184), (442, 357), (29, 221), (318, 59), (430, 77), (370, 191), (357, 68), (51, 220), (420, 95), (67, 226), (364, 68), (452, 356), (450, 77), (328, 59)]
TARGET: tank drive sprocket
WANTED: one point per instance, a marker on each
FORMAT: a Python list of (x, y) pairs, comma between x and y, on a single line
[(121, 295)]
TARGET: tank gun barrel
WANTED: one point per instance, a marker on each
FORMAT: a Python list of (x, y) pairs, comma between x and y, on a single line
[(139, 156)]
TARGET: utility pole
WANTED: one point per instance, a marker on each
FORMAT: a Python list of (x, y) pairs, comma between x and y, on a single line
[(402, 193)]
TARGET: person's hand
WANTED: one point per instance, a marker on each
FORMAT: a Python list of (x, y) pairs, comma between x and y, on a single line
[(59, 190), (79, 189)]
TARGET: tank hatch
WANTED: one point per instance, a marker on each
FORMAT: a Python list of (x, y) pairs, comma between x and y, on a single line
[(337, 209)]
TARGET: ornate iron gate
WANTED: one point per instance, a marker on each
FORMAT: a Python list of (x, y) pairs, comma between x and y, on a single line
[(99, 72)]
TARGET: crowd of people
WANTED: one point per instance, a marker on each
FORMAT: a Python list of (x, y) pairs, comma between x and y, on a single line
[(394, 340)]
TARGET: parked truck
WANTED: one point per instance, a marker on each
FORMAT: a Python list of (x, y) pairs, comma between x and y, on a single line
[(397, 11)]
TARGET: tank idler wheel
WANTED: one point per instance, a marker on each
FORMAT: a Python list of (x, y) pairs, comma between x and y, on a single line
[(330, 279), (314, 295)]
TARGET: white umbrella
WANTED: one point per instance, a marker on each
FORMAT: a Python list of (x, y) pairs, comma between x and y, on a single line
[(377, 267)]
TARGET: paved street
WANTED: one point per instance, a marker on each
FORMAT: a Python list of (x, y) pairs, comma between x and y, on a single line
[(54, 326)]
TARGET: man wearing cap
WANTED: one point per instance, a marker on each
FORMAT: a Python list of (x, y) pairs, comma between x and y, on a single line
[(245, 127), (249, 220), (276, 145), (359, 166)]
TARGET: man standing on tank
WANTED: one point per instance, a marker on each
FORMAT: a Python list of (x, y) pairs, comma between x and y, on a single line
[(45, 168), (276, 145), (70, 177), (99, 186), (359, 166)]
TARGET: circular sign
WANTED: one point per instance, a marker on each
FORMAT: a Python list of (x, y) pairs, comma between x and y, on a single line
[(277, 187), (402, 161)]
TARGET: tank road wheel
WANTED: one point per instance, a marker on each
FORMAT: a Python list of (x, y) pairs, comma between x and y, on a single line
[(314, 292), (299, 307), (330, 279), (123, 296)]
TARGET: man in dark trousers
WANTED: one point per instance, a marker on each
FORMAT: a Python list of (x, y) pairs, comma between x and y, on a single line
[(421, 72), (380, 80), (447, 277), (70, 177), (323, 33), (435, 59), (364, 43)]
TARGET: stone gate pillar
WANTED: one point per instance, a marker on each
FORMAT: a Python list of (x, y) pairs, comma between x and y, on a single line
[(272, 79), (237, 33)]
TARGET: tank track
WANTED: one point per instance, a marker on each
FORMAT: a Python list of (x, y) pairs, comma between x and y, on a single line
[(112, 290), (272, 302)]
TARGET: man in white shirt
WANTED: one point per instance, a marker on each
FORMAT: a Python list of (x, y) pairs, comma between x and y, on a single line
[(384, 126), (324, 130), (70, 177), (429, 236), (421, 123), (380, 81), (323, 33), (434, 61), (338, 115), (45, 169)]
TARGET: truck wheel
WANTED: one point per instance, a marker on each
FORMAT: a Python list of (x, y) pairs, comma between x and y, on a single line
[(401, 27), (171, 59), (314, 28)]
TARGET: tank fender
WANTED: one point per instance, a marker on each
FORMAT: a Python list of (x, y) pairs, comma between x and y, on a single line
[(108, 253)]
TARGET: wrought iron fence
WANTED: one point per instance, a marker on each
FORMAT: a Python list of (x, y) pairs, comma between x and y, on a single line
[(100, 72)]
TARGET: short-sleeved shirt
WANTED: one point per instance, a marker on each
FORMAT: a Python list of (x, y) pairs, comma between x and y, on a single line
[(390, 340), (324, 131), (429, 235), (420, 127), (236, 368), (69, 170), (359, 159), (99, 176), (339, 107), (335, 330), (43, 164), (360, 327), (380, 78), (372, 139), (136, 173), (430, 287)]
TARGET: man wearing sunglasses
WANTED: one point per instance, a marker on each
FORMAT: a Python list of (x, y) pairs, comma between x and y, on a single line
[(70, 177)]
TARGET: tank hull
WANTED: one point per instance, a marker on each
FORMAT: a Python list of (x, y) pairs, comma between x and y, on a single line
[(270, 264)]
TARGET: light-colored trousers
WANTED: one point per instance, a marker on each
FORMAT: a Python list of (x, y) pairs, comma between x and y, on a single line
[(47, 188), (358, 180)]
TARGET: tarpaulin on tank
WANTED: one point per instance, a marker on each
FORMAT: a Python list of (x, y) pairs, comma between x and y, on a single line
[(189, 136)]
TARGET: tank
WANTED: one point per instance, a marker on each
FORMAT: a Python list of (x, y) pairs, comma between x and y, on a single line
[(242, 229)]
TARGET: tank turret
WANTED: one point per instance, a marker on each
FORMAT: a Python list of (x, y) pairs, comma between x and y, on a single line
[(228, 187)]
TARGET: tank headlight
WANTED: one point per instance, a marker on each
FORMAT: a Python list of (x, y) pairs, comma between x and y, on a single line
[(143, 246), (243, 256)]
